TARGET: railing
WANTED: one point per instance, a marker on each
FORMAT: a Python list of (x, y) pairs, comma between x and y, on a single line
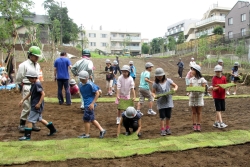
[(127, 47), (237, 36), (208, 32), (209, 20), (126, 38)]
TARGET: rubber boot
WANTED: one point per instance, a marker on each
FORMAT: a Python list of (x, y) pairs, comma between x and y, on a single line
[(21, 127), (27, 134), (52, 129), (35, 128)]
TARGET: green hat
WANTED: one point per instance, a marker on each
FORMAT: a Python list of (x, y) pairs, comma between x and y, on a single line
[(86, 52), (34, 50)]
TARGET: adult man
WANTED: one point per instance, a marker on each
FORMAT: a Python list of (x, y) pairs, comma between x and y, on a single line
[(180, 65), (31, 64), (61, 74), (85, 64)]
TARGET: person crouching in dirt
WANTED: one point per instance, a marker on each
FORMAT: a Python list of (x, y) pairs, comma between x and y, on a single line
[(219, 96), (24, 84), (130, 119), (37, 104), (196, 101), (235, 77), (165, 103), (89, 92), (125, 84), (74, 89)]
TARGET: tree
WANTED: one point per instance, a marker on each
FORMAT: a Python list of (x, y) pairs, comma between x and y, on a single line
[(240, 49), (203, 47), (218, 30), (181, 38), (126, 42), (145, 48), (171, 43)]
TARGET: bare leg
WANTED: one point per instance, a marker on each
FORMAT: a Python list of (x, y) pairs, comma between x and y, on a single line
[(199, 109), (44, 122), (118, 113), (194, 114), (97, 125), (162, 124), (138, 106), (150, 105), (87, 128), (29, 125), (219, 116), (167, 122)]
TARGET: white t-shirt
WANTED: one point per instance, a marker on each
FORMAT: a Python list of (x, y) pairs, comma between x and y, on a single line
[(192, 63)]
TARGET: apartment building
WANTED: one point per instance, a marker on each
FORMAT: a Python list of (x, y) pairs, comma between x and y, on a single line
[(114, 42), (215, 16), (238, 21), (175, 29)]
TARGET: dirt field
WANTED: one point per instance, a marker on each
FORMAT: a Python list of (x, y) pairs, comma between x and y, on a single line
[(68, 121)]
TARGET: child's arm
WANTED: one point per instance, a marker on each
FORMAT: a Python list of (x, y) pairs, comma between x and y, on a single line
[(119, 127), (133, 91), (91, 106), (147, 80), (153, 92), (118, 94), (139, 127), (21, 102), (175, 86), (41, 100)]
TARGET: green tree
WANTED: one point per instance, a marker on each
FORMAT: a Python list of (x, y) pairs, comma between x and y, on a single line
[(145, 48), (203, 47), (240, 49), (181, 38), (171, 43), (218, 30)]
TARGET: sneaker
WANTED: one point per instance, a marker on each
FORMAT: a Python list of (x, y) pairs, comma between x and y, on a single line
[(216, 125), (227, 92), (24, 138), (151, 112), (111, 94), (139, 112), (107, 94), (102, 133), (83, 136), (21, 128), (163, 133), (168, 132), (118, 119), (127, 133), (198, 128), (194, 127), (234, 93), (223, 125)]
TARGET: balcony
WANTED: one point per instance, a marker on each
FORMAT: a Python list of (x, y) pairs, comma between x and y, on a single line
[(210, 20), (133, 39), (131, 48), (208, 32)]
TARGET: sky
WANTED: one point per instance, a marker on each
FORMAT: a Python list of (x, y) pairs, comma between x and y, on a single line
[(150, 17)]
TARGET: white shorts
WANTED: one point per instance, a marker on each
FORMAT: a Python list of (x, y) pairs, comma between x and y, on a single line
[(109, 84)]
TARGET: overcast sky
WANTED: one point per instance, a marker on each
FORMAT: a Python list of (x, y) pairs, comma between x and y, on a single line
[(150, 17)]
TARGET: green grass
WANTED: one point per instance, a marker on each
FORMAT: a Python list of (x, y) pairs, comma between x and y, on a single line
[(112, 99), (17, 152)]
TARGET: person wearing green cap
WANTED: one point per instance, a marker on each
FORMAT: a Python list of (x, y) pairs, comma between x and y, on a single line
[(30, 64)]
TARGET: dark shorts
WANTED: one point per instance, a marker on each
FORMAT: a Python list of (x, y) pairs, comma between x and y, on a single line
[(219, 104), (235, 79), (165, 113), (89, 115)]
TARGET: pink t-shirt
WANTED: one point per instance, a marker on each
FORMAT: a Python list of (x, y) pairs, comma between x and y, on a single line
[(188, 76), (125, 85), (74, 90)]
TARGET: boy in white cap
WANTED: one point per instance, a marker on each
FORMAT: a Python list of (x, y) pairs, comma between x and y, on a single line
[(90, 94), (144, 89), (36, 96), (74, 90), (130, 119), (125, 84)]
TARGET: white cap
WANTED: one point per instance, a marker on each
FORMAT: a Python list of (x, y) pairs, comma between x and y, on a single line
[(130, 112), (115, 62), (131, 62), (72, 82), (125, 68), (159, 72), (197, 67), (83, 75), (220, 61), (218, 68), (192, 58), (148, 64), (107, 61), (236, 63)]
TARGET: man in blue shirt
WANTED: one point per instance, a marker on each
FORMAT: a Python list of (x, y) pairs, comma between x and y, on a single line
[(61, 74), (180, 65)]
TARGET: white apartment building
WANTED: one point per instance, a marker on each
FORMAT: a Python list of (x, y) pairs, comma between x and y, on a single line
[(114, 42)]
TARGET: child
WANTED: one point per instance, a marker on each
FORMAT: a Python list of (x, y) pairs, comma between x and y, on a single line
[(115, 68), (219, 96), (144, 89), (196, 101), (37, 104), (164, 104), (109, 77), (74, 90), (130, 119), (90, 94), (125, 83), (3, 79), (235, 76), (187, 78), (132, 70)]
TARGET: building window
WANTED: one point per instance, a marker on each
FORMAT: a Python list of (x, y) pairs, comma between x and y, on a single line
[(243, 32), (113, 43), (103, 44), (230, 34), (92, 44), (113, 35), (92, 35), (230, 21), (104, 35), (243, 17), (122, 35)]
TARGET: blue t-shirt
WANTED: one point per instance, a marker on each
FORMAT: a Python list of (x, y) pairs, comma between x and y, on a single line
[(62, 64), (143, 83), (35, 91), (88, 91), (132, 71)]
